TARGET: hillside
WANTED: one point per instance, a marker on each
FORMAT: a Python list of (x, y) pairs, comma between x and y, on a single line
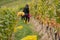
[(11, 3)]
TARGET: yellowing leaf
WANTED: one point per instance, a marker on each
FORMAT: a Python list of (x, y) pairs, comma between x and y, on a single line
[(20, 27), (30, 37)]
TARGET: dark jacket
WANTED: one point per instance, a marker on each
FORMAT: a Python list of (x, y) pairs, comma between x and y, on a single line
[(26, 10)]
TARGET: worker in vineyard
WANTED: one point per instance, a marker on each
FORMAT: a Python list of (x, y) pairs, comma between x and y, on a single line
[(26, 11)]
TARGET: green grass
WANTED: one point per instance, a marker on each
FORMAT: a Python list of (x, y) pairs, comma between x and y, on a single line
[(27, 30)]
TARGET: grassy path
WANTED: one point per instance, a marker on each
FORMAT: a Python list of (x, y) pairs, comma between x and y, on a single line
[(24, 31)]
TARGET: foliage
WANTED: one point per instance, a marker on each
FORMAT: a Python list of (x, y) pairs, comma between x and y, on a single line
[(46, 10), (8, 20)]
